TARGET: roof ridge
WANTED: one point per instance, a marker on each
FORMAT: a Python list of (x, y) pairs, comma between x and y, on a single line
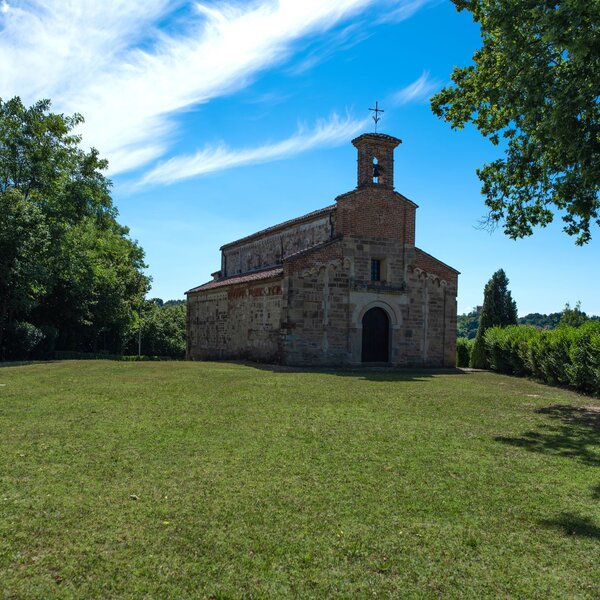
[(257, 275), (332, 240), (281, 225)]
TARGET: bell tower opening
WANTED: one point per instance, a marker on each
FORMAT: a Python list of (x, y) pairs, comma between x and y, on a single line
[(376, 159)]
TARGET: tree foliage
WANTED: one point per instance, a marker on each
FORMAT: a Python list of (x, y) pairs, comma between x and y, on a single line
[(541, 321), (468, 324), (162, 329), (67, 266), (24, 239), (498, 310), (464, 347), (572, 317), (534, 87)]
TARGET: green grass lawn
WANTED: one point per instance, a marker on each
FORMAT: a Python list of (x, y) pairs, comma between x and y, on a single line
[(204, 480)]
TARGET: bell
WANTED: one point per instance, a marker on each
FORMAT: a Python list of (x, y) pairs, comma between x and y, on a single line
[(376, 172)]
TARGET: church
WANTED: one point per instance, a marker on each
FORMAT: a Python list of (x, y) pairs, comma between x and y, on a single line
[(343, 285)]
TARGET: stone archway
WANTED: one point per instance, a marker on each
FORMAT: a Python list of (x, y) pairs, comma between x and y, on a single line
[(375, 336)]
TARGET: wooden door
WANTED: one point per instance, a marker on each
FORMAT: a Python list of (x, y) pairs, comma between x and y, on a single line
[(375, 336)]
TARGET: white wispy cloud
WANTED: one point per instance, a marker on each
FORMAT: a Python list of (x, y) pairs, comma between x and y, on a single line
[(328, 133), (419, 90), (130, 78), (405, 10)]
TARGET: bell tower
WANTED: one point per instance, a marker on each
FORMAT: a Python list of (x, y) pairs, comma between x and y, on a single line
[(376, 159)]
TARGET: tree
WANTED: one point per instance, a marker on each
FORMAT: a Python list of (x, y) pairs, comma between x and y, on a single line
[(499, 309), (23, 240), (572, 317), (467, 324), (534, 84), (541, 321), (75, 272), (163, 328)]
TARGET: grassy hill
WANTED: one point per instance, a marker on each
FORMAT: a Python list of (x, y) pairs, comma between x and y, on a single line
[(204, 480)]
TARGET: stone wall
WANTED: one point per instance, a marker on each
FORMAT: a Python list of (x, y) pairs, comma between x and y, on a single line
[(391, 293), (430, 320), (262, 251), (235, 322), (314, 315), (328, 290)]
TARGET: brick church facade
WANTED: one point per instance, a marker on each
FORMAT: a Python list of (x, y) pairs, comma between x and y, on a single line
[(344, 285)]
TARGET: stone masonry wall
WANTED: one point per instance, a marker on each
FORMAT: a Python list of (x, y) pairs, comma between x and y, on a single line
[(328, 290), (236, 322), (269, 250), (391, 293), (315, 311), (430, 320)]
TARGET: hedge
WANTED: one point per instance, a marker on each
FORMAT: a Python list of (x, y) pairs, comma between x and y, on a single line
[(566, 355), (71, 355), (463, 351)]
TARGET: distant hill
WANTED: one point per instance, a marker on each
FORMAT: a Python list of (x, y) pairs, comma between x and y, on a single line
[(468, 323), (542, 321), (174, 302)]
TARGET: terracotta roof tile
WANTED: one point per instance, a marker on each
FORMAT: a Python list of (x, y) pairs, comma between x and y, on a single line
[(236, 279)]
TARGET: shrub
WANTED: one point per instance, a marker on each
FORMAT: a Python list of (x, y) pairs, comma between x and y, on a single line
[(45, 348), (554, 354), (71, 355), (566, 355), (583, 367), (22, 340), (508, 348), (479, 359), (463, 351)]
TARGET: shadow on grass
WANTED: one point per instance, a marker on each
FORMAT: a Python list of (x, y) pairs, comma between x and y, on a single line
[(390, 374), (572, 524), (574, 431), (375, 373), (25, 363)]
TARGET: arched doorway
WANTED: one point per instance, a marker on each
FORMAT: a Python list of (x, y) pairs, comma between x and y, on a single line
[(375, 336)]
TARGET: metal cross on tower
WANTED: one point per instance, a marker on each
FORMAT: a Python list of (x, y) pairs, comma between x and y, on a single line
[(376, 116)]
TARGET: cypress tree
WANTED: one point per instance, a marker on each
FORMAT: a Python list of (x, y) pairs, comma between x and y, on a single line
[(499, 309)]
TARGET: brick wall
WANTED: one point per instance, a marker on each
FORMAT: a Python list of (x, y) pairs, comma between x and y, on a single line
[(376, 212), (429, 263)]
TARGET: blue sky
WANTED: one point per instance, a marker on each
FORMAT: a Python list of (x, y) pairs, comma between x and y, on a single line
[(222, 118)]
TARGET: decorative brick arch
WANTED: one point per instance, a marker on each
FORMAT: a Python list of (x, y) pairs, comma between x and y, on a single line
[(360, 311)]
